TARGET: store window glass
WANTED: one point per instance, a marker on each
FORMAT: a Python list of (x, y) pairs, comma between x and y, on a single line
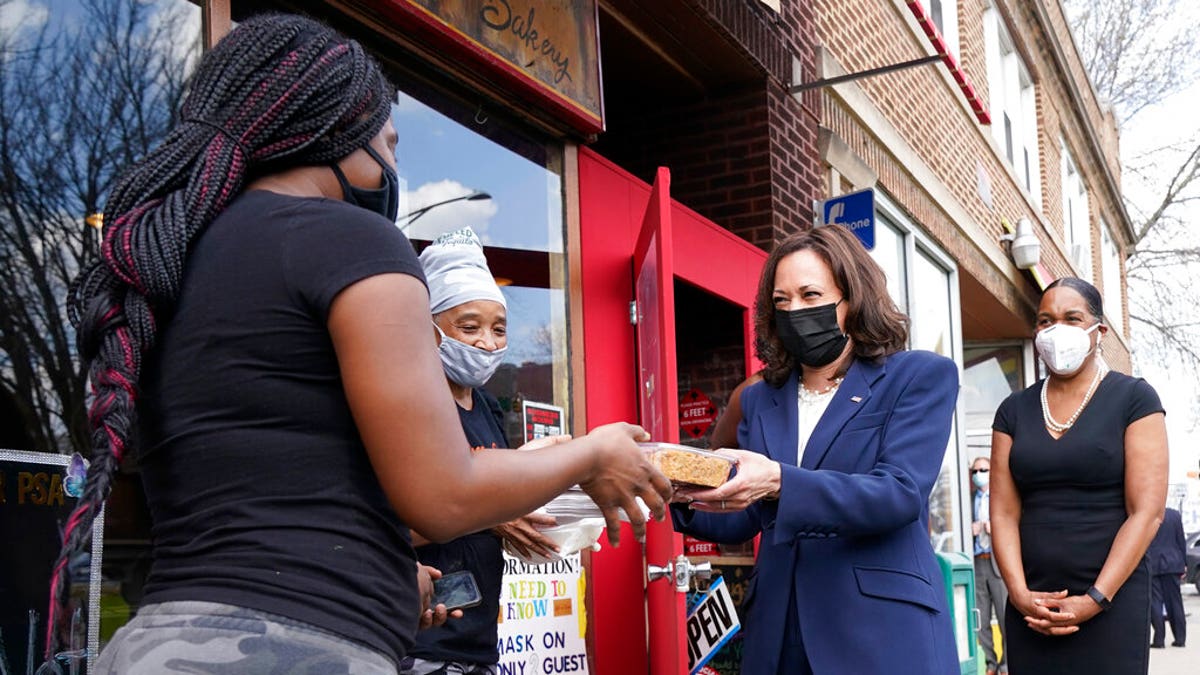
[(990, 374), (889, 253), (932, 329), (88, 87), (462, 167), (922, 281)]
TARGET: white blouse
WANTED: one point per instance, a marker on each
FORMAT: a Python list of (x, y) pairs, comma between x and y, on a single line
[(811, 407)]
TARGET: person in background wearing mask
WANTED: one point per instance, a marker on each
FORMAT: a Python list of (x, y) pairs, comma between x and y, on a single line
[(990, 595), (1078, 483), (471, 322), (843, 442), (1167, 558)]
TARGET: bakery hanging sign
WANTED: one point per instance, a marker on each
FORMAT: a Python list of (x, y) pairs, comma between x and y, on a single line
[(547, 47), (696, 413)]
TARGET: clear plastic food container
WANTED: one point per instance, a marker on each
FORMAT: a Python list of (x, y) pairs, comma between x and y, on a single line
[(691, 466)]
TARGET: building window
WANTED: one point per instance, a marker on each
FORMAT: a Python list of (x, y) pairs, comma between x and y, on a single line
[(944, 14), (1110, 262), (991, 372), (923, 281), (445, 152), (1013, 104), (1076, 224)]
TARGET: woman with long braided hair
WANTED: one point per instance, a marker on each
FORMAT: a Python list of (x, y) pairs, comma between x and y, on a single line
[(257, 333)]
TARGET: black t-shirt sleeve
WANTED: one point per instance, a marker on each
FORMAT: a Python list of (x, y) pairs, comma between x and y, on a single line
[(1006, 416), (331, 245), (1143, 401)]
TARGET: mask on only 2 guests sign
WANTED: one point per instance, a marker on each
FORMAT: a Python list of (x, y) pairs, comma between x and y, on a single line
[(542, 619)]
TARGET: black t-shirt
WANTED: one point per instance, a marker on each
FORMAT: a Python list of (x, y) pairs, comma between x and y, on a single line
[(259, 486), (471, 639)]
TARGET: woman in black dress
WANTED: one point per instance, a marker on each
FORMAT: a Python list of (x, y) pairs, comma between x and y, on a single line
[(1079, 480)]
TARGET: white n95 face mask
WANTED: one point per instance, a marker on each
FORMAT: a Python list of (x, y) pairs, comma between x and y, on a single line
[(465, 364), (1064, 348)]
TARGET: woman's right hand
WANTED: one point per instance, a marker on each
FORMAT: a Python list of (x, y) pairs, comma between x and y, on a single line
[(620, 473), (1039, 617)]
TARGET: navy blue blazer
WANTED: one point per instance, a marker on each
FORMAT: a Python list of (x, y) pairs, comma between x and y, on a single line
[(849, 535), (1168, 551)]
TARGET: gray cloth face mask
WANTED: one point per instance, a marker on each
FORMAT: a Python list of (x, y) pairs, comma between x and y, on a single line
[(467, 365)]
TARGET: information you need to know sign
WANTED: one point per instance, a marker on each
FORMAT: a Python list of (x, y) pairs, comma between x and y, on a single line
[(542, 622), (710, 624)]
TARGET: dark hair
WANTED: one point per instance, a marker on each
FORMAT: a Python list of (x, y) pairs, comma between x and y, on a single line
[(875, 326), (279, 91), (1088, 292)]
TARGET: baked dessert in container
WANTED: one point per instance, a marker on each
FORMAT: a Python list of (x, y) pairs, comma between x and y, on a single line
[(689, 466)]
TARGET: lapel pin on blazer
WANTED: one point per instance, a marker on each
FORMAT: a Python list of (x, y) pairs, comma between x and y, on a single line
[(856, 399)]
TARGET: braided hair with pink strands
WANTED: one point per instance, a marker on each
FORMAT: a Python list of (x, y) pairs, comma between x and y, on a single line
[(279, 91)]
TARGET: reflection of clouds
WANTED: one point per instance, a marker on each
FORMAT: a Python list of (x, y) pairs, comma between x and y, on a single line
[(21, 15), (175, 29), (449, 217)]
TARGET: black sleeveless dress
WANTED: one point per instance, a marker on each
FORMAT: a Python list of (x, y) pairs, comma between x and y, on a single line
[(1072, 495)]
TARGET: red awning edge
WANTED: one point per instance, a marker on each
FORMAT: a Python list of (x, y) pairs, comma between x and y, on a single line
[(960, 76)]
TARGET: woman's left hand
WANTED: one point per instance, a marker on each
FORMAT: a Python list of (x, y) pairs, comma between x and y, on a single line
[(1064, 615), (757, 478), (435, 615), (524, 534)]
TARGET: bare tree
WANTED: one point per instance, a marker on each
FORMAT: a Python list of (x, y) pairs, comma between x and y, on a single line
[(80, 99), (1139, 53)]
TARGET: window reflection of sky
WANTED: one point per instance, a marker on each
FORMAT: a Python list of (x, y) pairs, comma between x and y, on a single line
[(182, 16), (439, 159)]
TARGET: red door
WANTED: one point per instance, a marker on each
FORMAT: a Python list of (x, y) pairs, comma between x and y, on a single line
[(637, 245), (658, 412)]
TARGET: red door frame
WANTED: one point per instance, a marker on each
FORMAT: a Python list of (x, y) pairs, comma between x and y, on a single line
[(612, 204)]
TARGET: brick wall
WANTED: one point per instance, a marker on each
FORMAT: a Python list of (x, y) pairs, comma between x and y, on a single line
[(745, 157), (930, 118)]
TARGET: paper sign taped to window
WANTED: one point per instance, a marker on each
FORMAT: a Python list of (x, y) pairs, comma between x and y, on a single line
[(541, 420)]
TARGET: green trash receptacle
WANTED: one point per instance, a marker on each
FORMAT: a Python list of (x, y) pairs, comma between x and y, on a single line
[(958, 573)]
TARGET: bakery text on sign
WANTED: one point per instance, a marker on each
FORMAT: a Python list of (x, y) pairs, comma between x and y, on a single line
[(696, 413)]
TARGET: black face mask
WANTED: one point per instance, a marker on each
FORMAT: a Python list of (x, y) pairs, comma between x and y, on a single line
[(384, 200), (811, 335)]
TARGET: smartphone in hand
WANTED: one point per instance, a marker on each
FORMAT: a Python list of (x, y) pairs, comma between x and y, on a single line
[(456, 590)]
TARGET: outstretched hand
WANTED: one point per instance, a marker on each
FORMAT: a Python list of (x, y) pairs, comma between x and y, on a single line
[(621, 473)]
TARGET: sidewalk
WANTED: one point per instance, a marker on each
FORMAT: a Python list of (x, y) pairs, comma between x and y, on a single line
[(1174, 660)]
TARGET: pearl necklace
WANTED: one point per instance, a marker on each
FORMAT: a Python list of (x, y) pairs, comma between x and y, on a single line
[(1061, 427), (810, 396)]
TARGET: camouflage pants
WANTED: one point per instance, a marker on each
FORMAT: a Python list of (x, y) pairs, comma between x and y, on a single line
[(415, 666), (217, 639)]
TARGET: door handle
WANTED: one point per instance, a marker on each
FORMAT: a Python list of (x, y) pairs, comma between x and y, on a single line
[(685, 571), (656, 572), (681, 571)]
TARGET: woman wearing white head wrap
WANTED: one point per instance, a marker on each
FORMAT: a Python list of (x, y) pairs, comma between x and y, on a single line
[(469, 315), (469, 311)]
